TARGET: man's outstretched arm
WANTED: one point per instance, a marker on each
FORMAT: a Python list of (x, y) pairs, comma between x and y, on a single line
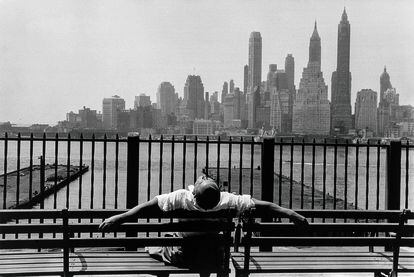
[(272, 210), (141, 210)]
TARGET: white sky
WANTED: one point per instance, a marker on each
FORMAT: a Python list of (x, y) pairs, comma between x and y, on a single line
[(57, 56)]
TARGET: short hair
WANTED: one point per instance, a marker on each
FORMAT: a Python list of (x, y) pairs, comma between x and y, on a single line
[(207, 193)]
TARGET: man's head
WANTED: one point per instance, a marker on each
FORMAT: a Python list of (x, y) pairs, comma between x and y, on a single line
[(206, 192)]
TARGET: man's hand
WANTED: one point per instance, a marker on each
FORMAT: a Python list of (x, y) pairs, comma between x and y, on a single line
[(301, 221), (110, 223)]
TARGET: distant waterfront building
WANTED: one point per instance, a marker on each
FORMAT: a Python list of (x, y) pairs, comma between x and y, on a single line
[(290, 72), (245, 78), (385, 83), (280, 110), (231, 86), (166, 98), (142, 100), (207, 106), (254, 77), (388, 105), (228, 110), (311, 109), (110, 108), (388, 112), (341, 120), (271, 80), (366, 110), (205, 127), (224, 91), (194, 96)]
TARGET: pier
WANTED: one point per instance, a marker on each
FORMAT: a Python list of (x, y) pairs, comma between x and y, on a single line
[(29, 186)]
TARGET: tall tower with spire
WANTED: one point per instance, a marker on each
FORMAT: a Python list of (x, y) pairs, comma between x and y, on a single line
[(315, 47), (311, 108), (341, 117), (254, 77), (385, 84)]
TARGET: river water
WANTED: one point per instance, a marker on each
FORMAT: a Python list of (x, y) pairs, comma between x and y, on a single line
[(172, 177)]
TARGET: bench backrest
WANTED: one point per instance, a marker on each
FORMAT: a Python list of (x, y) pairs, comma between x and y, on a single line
[(372, 231), (68, 229)]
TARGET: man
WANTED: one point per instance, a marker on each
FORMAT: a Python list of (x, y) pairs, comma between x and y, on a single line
[(204, 196)]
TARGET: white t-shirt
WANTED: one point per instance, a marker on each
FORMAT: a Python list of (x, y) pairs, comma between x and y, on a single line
[(184, 199)]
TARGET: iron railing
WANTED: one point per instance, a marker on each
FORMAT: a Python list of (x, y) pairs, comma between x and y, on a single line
[(125, 171)]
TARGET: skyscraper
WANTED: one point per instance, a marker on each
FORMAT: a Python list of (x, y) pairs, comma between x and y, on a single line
[(290, 71), (194, 96), (311, 109), (385, 83), (341, 118), (166, 98), (366, 110), (224, 91), (231, 84), (255, 76), (142, 100), (245, 78), (110, 109)]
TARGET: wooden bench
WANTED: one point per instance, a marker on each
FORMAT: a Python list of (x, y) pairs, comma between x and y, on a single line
[(64, 242), (329, 245)]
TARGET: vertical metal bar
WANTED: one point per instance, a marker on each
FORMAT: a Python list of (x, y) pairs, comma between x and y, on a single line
[(92, 170), (356, 174), (56, 172), (302, 173), (407, 164), (240, 166), (184, 154), (280, 170), (42, 181), (195, 158), (291, 175), (335, 170), (367, 178), (324, 178), (378, 171), (207, 153), (65, 223), (104, 172), (68, 172), (346, 177), (160, 171), (80, 169), (149, 172), (313, 175), (149, 168), (218, 160), (172, 164), (116, 169), (251, 165), (18, 170), (31, 175), (5, 172), (229, 166), (31, 168)]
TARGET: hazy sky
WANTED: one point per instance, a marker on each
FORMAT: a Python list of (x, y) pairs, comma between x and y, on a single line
[(57, 56)]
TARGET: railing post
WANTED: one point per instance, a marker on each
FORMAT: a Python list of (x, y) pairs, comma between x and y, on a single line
[(132, 172), (42, 182), (267, 177), (393, 184), (132, 178)]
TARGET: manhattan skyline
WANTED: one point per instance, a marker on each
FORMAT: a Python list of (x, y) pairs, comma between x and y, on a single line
[(57, 56)]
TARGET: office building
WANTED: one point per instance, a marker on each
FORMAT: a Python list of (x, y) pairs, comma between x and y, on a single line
[(166, 98), (366, 110), (341, 120), (110, 108), (194, 97), (311, 109), (254, 77)]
